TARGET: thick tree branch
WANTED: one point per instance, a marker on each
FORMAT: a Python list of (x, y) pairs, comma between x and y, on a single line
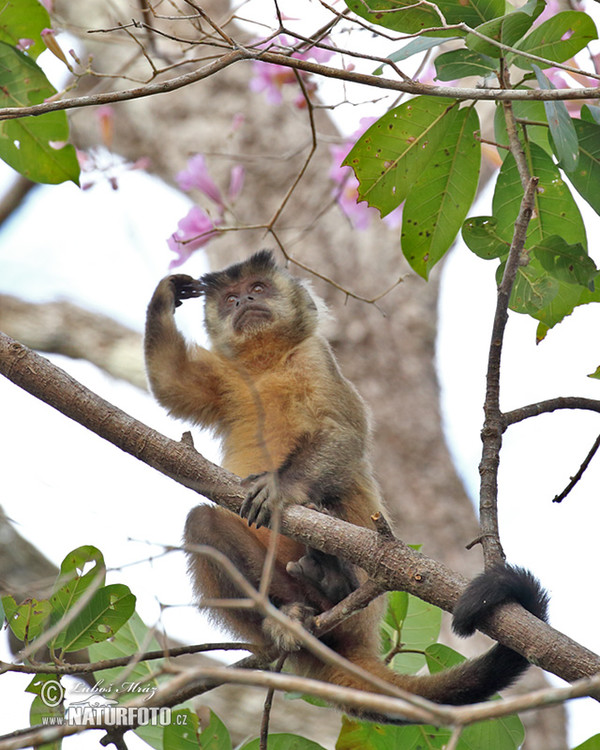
[(391, 563)]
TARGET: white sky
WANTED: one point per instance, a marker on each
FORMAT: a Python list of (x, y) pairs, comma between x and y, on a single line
[(65, 487)]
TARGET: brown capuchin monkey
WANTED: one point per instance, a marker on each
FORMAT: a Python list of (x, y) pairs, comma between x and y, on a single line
[(298, 431)]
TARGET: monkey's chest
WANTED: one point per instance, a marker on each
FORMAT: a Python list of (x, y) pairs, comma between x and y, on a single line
[(265, 423)]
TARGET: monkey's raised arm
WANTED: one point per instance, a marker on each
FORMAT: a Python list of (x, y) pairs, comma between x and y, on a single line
[(185, 379)]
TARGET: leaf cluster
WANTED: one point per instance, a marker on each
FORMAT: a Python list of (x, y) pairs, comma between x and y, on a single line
[(426, 152)]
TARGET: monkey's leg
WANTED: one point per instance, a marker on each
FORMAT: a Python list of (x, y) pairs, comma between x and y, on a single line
[(230, 535)]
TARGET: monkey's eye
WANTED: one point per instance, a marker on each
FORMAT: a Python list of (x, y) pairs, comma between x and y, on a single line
[(230, 299), (258, 288)]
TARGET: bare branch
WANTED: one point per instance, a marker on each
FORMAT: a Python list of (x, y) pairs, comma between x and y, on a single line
[(550, 405), (493, 426), (586, 462)]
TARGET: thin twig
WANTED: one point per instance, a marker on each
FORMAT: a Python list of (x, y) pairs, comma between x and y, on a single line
[(264, 726), (548, 406), (582, 468)]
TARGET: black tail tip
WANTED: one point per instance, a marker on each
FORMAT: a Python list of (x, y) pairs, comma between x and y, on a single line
[(500, 584)]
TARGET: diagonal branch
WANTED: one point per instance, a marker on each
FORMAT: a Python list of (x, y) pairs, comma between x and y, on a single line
[(391, 563)]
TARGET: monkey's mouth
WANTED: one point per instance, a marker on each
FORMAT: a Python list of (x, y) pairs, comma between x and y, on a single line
[(251, 315)]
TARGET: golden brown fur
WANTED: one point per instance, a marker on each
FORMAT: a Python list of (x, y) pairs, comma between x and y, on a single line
[(290, 422)]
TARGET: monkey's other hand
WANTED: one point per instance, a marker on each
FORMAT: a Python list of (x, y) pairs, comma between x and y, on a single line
[(184, 287), (263, 493)]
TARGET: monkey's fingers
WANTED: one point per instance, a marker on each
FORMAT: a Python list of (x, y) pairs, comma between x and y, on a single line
[(184, 287), (255, 508)]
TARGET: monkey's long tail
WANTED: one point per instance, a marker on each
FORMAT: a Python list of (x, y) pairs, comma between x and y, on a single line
[(475, 679)]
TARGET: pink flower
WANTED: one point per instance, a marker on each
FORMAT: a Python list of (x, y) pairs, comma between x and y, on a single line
[(193, 232), (24, 44), (236, 181), (271, 79), (195, 175), (345, 188)]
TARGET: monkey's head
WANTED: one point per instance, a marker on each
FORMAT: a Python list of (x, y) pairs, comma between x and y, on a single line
[(254, 298)]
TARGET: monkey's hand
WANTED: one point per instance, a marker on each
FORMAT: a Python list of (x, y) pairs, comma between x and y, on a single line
[(183, 287), (265, 492), (171, 292)]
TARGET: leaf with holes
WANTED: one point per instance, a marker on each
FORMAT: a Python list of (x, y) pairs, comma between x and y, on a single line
[(506, 29), (34, 146), (440, 199), (75, 577), (101, 618), (391, 155), (533, 289), (26, 620), (480, 234)]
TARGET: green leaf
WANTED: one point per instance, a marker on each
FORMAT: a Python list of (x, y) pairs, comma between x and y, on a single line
[(568, 263), (440, 657), (590, 113), (480, 234), (391, 155), (106, 612), (533, 289), (357, 735), (283, 742), (567, 298), (558, 38), (593, 743), (461, 63), (561, 127), (24, 19), (585, 178), (75, 577), (392, 14), (34, 146), (420, 628), (441, 197), (414, 47), (533, 112), (26, 620), (41, 713), (507, 29), (596, 375), (555, 209), (471, 12), (501, 734), (183, 733)]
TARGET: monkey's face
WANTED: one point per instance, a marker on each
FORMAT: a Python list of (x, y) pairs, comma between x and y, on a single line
[(256, 304), (247, 304)]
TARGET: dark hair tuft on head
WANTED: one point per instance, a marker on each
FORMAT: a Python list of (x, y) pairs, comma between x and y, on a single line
[(259, 262)]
